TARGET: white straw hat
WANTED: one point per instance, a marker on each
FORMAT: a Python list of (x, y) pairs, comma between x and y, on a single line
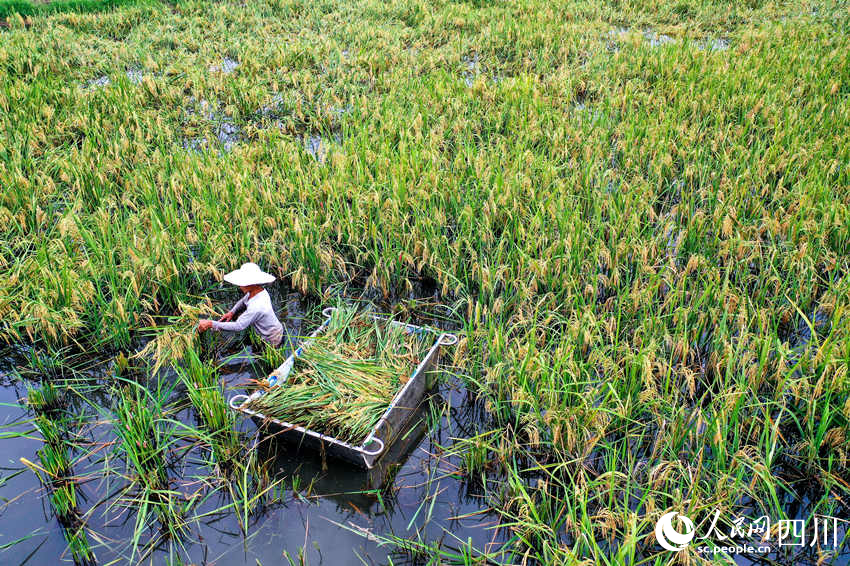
[(249, 274)]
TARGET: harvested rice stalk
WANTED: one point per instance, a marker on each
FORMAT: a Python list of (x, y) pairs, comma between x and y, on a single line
[(172, 341), (346, 378)]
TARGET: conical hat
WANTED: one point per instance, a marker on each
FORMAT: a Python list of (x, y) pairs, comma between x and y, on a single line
[(249, 274)]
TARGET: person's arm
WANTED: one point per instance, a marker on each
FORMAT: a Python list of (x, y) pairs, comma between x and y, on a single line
[(241, 323), (241, 303)]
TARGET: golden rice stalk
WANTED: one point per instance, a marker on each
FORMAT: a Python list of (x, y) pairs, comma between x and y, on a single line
[(173, 340)]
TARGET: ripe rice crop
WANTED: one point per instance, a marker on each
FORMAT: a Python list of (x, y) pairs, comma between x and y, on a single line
[(346, 377), (638, 210)]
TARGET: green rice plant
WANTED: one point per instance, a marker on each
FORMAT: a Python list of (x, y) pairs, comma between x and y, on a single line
[(57, 477), (142, 441), (46, 399), (55, 471), (250, 487), (217, 419), (54, 459), (46, 365), (266, 358), (55, 463), (477, 454), (145, 441), (78, 544)]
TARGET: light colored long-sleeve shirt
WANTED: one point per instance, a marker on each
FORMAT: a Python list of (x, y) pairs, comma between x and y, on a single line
[(259, 314)]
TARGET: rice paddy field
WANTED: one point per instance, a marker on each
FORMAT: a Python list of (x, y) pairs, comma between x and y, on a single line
[(635, 216)]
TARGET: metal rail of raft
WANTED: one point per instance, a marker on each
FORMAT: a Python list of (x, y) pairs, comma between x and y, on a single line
[(388, 426)]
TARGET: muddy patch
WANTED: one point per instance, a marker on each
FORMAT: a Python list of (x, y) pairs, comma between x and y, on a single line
[(134, 75), (618, 36), (279, 114), (615, 37), (319, 146), (274, 109), (315, 146), (99, 82), (657, 40), (798, 333), (341, 110), (227, 135), (471, 69), (591, 114)]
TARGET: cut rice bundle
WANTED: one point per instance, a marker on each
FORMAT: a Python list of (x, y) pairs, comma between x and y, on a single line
[(346, 378)]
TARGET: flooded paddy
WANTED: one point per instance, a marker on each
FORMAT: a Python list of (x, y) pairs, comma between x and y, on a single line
[(317, 510), (432, 495)]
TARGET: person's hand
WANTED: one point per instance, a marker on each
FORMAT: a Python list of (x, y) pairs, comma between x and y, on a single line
[(204, 325), (226, 317)]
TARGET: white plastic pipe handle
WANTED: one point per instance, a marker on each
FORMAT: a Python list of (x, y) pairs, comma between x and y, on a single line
[(447, 339), (373, 452)]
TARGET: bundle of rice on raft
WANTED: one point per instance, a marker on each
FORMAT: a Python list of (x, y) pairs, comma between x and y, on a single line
[(346, 377)]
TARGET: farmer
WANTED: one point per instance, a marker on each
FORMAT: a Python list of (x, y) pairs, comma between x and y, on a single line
[(256, 302)]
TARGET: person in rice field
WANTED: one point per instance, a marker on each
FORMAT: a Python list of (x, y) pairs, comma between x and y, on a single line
[(255, 306)]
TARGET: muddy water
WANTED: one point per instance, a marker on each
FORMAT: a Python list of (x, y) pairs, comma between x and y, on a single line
[(331, 522)]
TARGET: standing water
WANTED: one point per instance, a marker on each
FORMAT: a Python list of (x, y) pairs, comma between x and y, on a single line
[(315, 509)]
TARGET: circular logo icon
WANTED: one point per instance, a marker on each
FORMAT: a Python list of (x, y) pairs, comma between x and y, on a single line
[(670, 538)]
